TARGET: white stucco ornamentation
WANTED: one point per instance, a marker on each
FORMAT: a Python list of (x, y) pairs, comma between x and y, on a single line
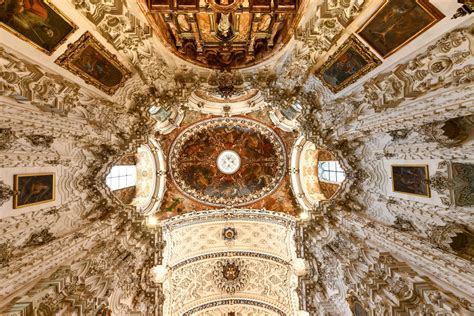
[(254, 266)]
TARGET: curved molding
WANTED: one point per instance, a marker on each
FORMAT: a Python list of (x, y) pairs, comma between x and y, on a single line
[(252, 215), (302, 197), (167, 120), (258, 231), (282, 122), (252, 101), (225, 254), (152, 202), (235, 301)]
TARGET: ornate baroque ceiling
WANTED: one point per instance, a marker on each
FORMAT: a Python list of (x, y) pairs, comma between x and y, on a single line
[(225, 34), (227, 109)]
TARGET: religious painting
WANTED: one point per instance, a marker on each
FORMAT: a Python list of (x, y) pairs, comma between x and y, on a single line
[(38, 22), (411, 179), (90, 60), (33, 189), (350, 62), (396, 23)]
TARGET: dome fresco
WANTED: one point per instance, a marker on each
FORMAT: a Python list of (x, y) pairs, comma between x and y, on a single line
[(256, 158)]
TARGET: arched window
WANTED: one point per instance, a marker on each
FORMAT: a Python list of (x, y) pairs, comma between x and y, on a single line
[(330, 171), (121, 177)]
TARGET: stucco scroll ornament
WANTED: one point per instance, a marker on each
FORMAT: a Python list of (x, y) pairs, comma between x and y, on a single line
[(5, 254), (7, 137), (39, 238), (436, 132), (5, 192), (442, 236), (442, 184), (403, 225), (43, 141)]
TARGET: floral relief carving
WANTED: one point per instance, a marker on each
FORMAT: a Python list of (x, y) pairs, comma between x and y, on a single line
[(43, 141), (6, 193), (6, 253), (39, 238), (403, 225), (6, 138)]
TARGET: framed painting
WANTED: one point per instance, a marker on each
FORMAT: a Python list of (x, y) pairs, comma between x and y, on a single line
[(411, 179), (37, 22), (90, 60), (396, 23), (350, 62), (33, 189)]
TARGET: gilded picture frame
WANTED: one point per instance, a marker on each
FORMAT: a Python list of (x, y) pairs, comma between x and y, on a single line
[(410, 18), (91, 61), (43, 22), (33, 189), (348, 64), (411, 187)]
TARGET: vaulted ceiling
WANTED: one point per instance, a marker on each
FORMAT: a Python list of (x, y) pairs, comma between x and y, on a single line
[(292, 157)]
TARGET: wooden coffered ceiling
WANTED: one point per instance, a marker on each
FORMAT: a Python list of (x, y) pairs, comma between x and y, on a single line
[(225, 34)]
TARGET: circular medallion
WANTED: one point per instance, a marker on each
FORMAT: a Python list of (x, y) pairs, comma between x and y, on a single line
[(229, 233), (231, 275), (227, 161), (230, 271)]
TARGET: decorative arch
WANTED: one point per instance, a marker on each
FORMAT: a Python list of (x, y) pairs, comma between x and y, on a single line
[(306, 181), (230, 267), (236, 303), (151, 178)]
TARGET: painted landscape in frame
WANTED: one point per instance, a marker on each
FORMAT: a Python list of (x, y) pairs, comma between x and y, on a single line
[(37, 22), (33, 189), (411, 179), (90, 60), (396, 23), (350, 62)]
